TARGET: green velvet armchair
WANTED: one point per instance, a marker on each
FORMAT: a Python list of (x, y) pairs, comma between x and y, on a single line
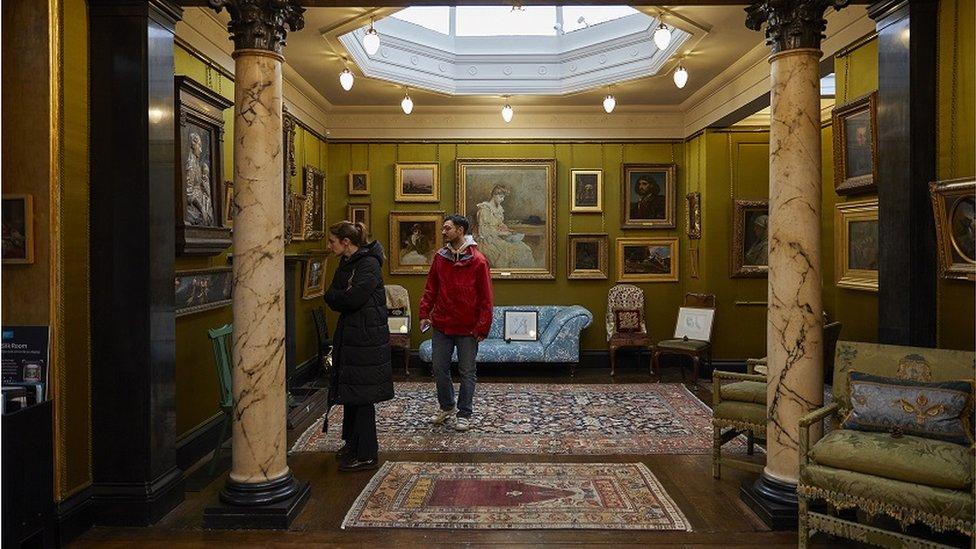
[(909, 478)]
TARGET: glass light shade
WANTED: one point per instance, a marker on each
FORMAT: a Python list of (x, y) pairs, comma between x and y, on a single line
[(407, 104), (609, 103), (680, 76), (346, 79), (371, 42), (662, 36), (507, 113)]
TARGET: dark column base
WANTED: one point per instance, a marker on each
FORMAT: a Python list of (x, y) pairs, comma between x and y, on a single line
[(133, 504), (266, 506), (773, 500)]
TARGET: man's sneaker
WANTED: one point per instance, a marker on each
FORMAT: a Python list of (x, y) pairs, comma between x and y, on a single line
[(462, 424), (441, 416)]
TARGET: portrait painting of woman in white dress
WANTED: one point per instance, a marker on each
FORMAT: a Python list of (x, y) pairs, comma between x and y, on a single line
[(501, 245)]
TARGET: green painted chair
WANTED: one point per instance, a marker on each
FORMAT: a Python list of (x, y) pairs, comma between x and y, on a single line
[(221, 340)]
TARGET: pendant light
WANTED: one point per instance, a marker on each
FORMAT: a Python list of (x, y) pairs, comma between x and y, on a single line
[(371, 40), (407, 104), (680, 76), (507, 113), (346, 79), (662, 36), (609, 102)]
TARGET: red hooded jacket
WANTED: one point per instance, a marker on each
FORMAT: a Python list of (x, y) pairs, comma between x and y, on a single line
[(458, 297)]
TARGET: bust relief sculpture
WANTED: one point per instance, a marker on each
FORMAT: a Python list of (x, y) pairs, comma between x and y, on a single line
[(199, 203)]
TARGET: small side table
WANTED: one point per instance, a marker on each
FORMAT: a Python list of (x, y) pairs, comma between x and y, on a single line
[(620, 341), (402, 341)]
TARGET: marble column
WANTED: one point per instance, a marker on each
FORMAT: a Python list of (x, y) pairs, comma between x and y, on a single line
[(259, 473), (794, 325)]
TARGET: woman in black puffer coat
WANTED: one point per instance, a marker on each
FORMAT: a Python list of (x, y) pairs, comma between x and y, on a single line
[(361, 345)]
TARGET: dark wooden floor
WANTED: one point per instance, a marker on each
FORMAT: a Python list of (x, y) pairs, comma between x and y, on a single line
[(717, 516)]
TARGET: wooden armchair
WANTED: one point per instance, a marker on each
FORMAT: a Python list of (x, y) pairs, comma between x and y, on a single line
[(625, 297)]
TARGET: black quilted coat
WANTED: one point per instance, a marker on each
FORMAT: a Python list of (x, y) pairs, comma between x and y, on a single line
[(361, 344)]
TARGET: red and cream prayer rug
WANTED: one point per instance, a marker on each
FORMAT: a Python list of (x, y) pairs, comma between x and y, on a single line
[(605, 496), (555, 419)]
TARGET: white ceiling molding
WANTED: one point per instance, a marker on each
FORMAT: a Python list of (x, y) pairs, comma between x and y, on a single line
[(611, 52), (203, 30), (487, 123), (748, 78)]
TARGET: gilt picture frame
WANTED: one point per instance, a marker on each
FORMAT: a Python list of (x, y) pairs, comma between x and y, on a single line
[(313, 279), (749, 256), (953, 203), (856, 243), (694, 215), (199, 290), (511, 205), (358, 183), (360, 213), (313, 187), (647, 259), (586, 191), (647, 200), (414, 239), (855, 128), (588, 256), (417, 182)]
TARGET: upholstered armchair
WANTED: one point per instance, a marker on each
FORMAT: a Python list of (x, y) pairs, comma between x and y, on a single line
[(919, 477)]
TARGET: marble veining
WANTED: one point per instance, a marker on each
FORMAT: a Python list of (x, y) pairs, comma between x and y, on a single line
[(794, 332), (259, 433)]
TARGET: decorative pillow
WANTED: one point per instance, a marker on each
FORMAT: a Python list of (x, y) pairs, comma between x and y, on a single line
[(933, 410)]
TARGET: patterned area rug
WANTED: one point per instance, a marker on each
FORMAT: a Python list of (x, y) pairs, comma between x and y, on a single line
[(510, 418), (618, 496)]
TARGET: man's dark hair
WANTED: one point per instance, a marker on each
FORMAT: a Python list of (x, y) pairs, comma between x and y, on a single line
[(459, 221)]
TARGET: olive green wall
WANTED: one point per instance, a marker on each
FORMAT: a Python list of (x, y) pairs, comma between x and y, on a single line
[(197, 387), (856, 75), (663, 298), (956, 150)]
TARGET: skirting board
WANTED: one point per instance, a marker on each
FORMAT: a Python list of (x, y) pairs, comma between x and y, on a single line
[(74, 516)]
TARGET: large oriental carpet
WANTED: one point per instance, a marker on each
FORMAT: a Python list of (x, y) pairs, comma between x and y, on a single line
[(510, 418), (619, 496)]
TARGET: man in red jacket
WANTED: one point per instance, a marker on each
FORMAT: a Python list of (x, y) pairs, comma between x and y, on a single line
[(457, 302)]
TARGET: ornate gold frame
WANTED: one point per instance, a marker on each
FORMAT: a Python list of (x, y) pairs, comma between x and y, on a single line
[(953, 263), (694, 215), (864, 183), (671, 276), (354, 192), (367, 207), (296, 217), (547, 272), (435, 190), (311, 292), (228, 204), (289, 169), (309, 230), (854, 279), (603, 247), (669, 194), (395, 240), (599, 192), (737, 266), (211, 272)]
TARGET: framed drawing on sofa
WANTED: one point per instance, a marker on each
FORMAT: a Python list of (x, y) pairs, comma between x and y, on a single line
[(511, 205), (521, 325)]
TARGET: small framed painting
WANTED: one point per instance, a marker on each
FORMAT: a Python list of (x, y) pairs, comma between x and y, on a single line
[(398, 324), (587, 191), (521, 325), (647, 200), (647, 259), (414, 239), (228, 203), (694, 215), (628, 321), (588, 256), (694, 323), (296, 217), (856, 145), (750, 245), (856, 242), (202, 289), (417, 182), (359, 183), (18, 228), (314, 280), (955, 228), (314, 189), (359, 213)]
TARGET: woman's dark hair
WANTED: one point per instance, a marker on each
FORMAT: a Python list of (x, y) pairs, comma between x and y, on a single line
[(355, 232), (459, 221)]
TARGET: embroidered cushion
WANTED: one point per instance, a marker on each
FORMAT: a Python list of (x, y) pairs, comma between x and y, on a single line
[(937, 410)]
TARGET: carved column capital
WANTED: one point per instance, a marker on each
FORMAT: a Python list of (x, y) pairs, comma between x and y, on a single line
[(260, 24), (791, 24)]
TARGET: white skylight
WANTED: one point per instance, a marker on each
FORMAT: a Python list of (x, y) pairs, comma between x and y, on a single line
[(504, 21), (437, 19), (592, 15)]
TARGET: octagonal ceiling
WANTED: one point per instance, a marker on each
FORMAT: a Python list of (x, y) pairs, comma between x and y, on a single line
[(543, 50)]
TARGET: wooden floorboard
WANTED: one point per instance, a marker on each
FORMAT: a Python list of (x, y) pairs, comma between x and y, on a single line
[(717, 516)]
